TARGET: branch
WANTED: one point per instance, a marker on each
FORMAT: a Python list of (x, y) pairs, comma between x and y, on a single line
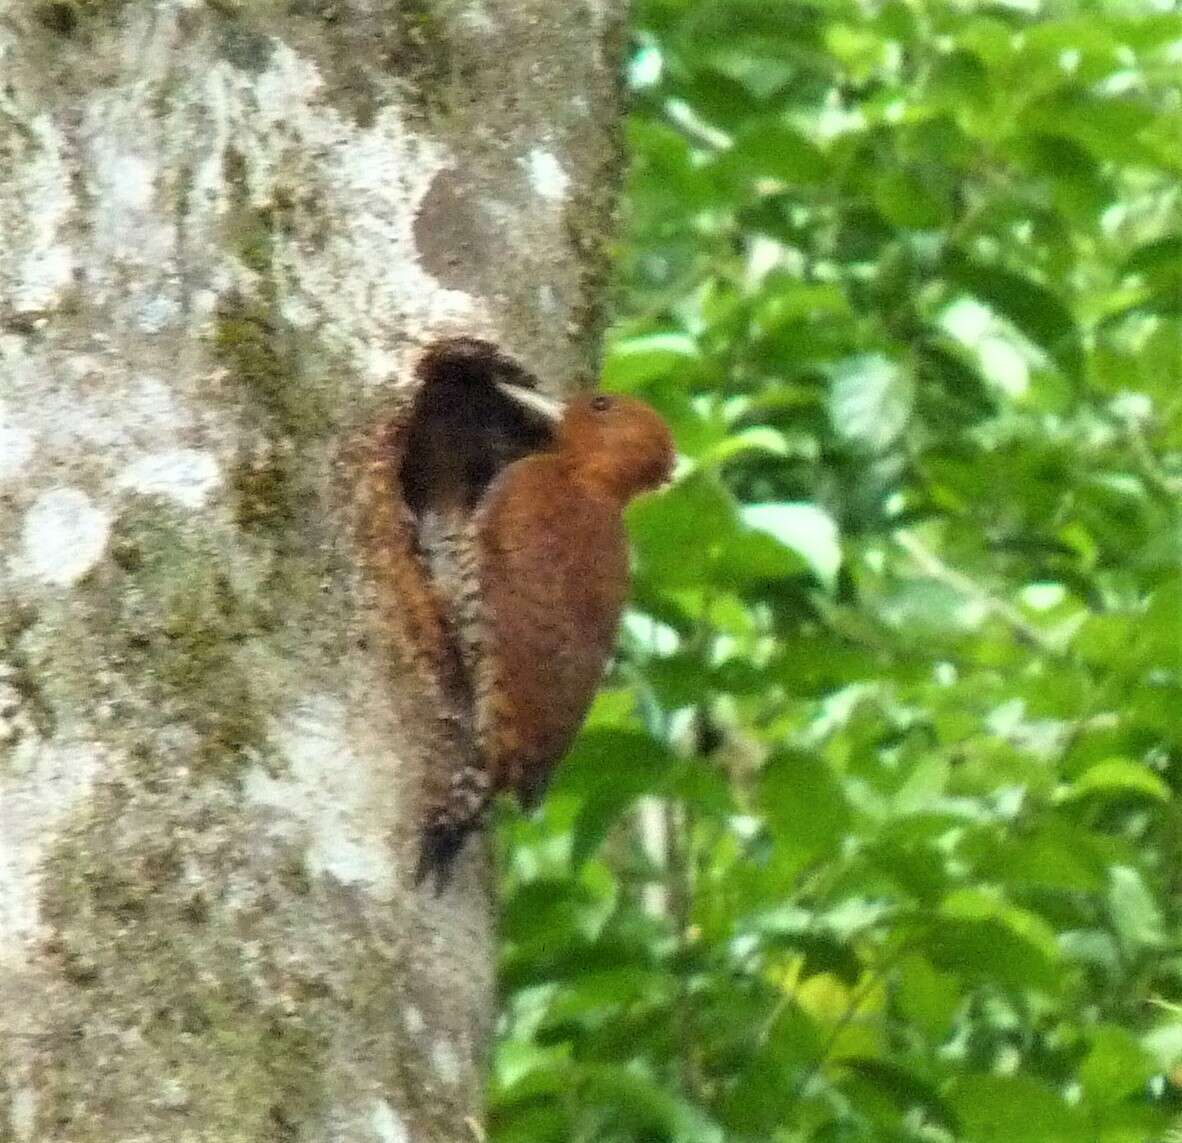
[(935, 568)]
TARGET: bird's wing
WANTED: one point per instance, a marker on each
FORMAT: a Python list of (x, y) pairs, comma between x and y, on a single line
[(553, 579)]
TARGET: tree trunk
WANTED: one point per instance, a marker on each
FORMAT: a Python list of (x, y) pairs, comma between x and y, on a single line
[(226, 231)]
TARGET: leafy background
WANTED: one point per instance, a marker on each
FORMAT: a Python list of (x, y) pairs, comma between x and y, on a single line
[(874, 833)]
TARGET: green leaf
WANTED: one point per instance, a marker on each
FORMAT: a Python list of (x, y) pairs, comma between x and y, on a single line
[(1108, 127), (676, 680), (524, 1070), (762, 1097), (803, 802), (1116, 1066), (547, 910), (1012, 1109), (805, 529), (1115, 778), (980, 905), (1161, 258), (908, 200), (665, 169), (989, 952), (1164, 1041), (1034, 308), (701, 785), (608, 770), (752, 556), (760, 73), (601, 991), (1050, 854), (870, 401), (755, 439), (642, 1104), (1135, 913), (678, 534), (786, 301), (1094, 50), (1160, 638), (633, 361), (774, 150), (904, 1088), (927, 997), (958, 81)]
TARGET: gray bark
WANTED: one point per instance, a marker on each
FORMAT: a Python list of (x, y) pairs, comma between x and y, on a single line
[(226, 229)]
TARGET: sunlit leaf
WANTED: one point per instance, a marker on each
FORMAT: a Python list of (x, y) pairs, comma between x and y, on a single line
[(631, 361), (870, 401), (1115, 778), (806, 529), (1135, 912), (1032, 307)]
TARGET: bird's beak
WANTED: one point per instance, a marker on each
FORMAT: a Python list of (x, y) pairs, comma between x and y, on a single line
[(532, 401)]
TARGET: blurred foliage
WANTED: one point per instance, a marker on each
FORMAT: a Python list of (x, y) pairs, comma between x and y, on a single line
[(874, 833)]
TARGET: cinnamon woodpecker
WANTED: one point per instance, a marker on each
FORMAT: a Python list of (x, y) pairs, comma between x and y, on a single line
[(537, 583)]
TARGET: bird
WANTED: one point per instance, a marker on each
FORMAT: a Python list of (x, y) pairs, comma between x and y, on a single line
[(536, 582)]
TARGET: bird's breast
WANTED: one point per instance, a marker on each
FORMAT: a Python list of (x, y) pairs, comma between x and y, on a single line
[(553, 568)]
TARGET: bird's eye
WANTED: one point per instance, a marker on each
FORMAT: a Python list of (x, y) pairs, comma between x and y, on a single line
[(600, 403)]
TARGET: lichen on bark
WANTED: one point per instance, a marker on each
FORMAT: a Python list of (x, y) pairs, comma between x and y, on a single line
[(151, 962), (211, 281)]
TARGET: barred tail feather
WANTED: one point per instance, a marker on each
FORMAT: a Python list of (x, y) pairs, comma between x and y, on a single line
[(447, 824)]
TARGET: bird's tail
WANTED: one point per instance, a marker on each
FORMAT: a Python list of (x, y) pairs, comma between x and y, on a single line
[(447, 824)]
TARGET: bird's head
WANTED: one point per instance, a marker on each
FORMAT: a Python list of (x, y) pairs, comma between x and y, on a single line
[(614, 443)]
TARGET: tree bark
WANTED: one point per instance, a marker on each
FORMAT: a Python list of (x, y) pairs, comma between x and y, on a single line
[(227, 228)]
